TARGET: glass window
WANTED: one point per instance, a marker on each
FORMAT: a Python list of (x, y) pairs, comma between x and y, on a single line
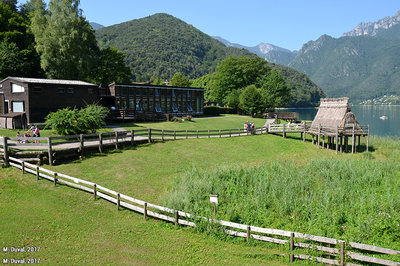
[(71, 90), (17, 88), (138, 105), (18, 106), (90, 91), (61, 90), (189, 107), (174, 107), (156, 92), (117, 91), (38, 90), (173, 93), (188, 93), (131, 91), (158, 108), (124, 91)]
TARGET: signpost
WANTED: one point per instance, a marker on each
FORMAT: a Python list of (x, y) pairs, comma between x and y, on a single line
[(214, 200)]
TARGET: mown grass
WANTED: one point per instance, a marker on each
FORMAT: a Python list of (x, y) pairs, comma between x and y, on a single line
[(207, 123), (74, 229)]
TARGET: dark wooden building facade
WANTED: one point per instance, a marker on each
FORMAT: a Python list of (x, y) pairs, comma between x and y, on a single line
[(154, 98), (38, 97)]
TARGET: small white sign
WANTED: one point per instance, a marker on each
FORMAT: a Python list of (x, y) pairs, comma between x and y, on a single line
[(214, 199)]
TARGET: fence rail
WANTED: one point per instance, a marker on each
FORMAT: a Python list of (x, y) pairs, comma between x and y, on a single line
[(67, 147), (263, 234)]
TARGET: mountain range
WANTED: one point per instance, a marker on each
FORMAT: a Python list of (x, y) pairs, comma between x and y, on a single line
[(362, 64)]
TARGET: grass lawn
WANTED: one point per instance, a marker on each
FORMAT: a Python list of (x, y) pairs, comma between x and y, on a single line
[(73, 229), (207, 123)]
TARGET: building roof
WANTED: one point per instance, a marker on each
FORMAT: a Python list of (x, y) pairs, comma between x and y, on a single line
[(49, 81), (333, 113)]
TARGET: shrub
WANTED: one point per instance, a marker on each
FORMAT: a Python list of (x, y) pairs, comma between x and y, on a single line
[(211, 110), (75, 121)]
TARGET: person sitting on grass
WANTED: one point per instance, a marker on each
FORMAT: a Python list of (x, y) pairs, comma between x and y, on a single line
[(18, 136)]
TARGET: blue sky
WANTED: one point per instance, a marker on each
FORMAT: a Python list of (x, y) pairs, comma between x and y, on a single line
[(288, 24)]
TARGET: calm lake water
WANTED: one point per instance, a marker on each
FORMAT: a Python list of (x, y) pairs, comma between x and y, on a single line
[(366, 115)]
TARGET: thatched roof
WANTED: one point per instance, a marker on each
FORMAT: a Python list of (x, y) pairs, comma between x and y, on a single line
[(333, 113)]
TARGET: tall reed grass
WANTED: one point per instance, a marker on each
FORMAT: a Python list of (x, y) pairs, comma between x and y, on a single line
[(354, 199)]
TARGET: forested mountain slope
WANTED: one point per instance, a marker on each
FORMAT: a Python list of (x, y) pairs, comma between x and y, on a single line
[(360, 67), (305, 93), (161, 45)]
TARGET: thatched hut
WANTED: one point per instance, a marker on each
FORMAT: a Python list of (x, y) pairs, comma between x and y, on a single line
[(335, 119)]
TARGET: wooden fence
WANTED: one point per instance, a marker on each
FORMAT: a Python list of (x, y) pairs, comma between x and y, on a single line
[(67, 147), (341, 250)]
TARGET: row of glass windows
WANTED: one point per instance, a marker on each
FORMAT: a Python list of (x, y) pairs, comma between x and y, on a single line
[(166, 105), (125, 91)]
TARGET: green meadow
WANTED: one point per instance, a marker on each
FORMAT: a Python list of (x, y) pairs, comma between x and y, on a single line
[(263, 180)]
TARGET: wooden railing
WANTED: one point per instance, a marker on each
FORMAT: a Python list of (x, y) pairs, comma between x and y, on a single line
[(66, 147), (342, 251)]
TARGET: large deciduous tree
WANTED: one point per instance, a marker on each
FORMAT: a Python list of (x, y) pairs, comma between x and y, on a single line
[(252, 100), (17, 54), (111, 67), (276, 92), (236, 73), (179, 80), (64, 39)]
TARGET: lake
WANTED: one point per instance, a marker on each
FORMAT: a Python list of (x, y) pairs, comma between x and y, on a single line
[(366, 115)]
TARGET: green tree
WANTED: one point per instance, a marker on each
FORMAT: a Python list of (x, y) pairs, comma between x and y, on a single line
[(252, 100), (179, 80), (64, 39), (233, 98), (236, 73), (12, 4), (276, 92), (111, 68), (17, 54), (205, 82)]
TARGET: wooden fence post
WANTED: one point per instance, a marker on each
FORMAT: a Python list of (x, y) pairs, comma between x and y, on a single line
[(291, 246), (162, 134), (319, 135), (353, 142), (176, 218), (368, 138), (145, 210), (132, 137), (95, 191), (23, 167), (337, 139), (197, 133), (101, 143), (149, 136), (5, 146), (284, 130), (116, 140), (174, 135), (220, 133), (230, 133), (341, 252), (208, 133), (37, 172), (248, 234), (239, 132), (186, 134), (117, 201), (55, 179), (50, 151), (81, 143)]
